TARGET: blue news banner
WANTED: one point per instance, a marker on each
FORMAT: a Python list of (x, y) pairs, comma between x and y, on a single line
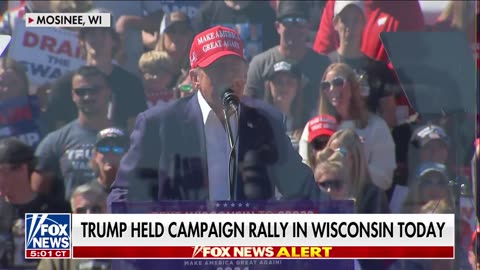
[(327, 207)]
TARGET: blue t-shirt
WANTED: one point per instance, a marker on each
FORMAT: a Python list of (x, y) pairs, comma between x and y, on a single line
[(67, 153)]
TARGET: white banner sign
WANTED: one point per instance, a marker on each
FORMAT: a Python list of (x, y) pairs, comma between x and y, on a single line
[(46, 52)]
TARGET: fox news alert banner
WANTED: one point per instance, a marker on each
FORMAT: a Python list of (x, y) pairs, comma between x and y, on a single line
[(241, 236), (234, 207)]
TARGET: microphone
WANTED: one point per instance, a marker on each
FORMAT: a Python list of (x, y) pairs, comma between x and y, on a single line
[(230, 100)]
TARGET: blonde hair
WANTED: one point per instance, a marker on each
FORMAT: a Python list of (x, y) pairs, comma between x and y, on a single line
[(358, 173), (358, 108), (415, 199), (154, 61), (90, 191), (334, 167)]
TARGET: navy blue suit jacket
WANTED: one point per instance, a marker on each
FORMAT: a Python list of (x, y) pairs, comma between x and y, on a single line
[(167, 155)]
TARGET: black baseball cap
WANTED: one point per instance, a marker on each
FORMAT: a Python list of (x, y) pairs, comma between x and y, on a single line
[(172, 18), (113, 135), (14, 151), (283, 66), (297, 9)]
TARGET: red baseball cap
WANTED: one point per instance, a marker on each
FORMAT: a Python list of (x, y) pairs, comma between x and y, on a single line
[(321, 125), (214, 43)]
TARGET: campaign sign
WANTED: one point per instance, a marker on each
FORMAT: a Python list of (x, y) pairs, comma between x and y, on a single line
[(46, 52), (47, 236), (19, 118), (277, 207)]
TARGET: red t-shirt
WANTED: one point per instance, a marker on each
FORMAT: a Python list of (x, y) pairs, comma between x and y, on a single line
[(390, 16), (381, 16), (326, 40)]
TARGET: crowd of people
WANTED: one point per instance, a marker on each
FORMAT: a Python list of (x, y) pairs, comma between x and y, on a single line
[(322, 115)]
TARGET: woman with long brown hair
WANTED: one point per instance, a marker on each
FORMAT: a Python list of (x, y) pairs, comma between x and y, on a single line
[(341, 90), (284, 90)]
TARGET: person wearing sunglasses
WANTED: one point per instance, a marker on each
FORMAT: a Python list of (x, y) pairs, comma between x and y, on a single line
[(341, 89), (346, 147), (100, 46), (64, 154), (111, 145), (321, 128), (377, 81), (332, 177), (292, 24), (183, 150)]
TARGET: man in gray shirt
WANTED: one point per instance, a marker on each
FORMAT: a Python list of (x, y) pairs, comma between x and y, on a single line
[(292, 26)]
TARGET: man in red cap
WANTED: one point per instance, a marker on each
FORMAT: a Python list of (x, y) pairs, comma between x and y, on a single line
[(182, 150)]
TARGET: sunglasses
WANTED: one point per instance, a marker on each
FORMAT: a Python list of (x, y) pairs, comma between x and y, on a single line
[(105, 149), (318, 144), (84, 91), (294, 20), (336, 82), (95, 209), (333, 184)]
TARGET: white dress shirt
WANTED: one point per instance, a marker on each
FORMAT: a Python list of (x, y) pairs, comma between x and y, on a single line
[(218, 151)]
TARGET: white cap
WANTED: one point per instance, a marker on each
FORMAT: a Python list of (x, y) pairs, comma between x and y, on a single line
[(341, 4)]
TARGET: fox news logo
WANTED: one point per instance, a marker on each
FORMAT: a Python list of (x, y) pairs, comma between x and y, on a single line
[(47, 236)]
